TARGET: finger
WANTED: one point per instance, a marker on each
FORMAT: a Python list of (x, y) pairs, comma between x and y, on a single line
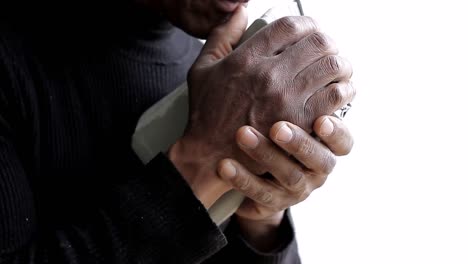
[(280, 34), (330, 98), (309, 50), (221, 40), (253, 187), (307, 150), (334, 134), (286, 171), (328, 69)]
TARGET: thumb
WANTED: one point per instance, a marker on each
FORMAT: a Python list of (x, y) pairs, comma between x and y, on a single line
[(224, 37)]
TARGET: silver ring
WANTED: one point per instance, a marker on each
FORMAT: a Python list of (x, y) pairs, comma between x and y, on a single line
[(341, 113)]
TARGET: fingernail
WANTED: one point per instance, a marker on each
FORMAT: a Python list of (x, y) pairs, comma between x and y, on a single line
[(326, 128), (248, 139), (284, 134), (228, 171)]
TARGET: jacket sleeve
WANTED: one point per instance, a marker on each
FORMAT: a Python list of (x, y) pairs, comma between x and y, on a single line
[(239, 250), (152, 218)]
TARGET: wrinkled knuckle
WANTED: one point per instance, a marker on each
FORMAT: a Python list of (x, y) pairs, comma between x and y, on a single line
[(290, 25), (304, 147), (319, 41), (264, 197), (328, 164), (333, 64), (296, 180), (243, 183), (336, 95)]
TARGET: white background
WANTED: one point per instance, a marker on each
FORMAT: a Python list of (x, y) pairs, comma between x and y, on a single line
[(401, 196)]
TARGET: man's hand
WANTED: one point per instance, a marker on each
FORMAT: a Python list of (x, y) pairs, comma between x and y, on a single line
[(298, 163), (287, 71)]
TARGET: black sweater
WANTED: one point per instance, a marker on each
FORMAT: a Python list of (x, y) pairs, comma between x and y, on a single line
[(71, 188)]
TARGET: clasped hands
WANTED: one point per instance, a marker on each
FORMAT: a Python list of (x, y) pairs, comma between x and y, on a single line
[(253, 110)]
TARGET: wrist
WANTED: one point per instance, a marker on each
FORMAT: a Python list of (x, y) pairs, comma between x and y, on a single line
[(197, 165), (262, 234)]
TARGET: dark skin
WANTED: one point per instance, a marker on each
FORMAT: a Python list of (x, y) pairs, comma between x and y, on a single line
[(294, 178), (196, 17), (252, 111)]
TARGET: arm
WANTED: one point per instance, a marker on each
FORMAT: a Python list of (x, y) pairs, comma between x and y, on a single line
[(263, 235), (254, 232), (143, 220), (242, 249)]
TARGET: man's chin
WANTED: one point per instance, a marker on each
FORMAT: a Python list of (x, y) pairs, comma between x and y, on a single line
[(202, 30)]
